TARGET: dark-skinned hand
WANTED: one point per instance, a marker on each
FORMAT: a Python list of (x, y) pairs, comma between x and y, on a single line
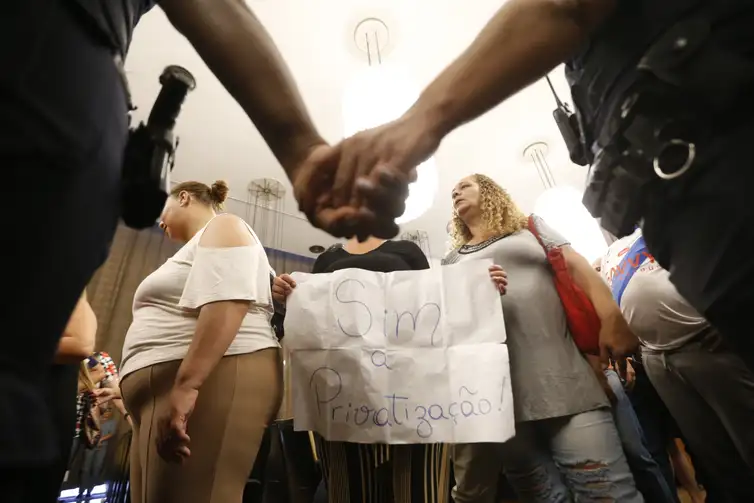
[(312, 184), (375, 167)]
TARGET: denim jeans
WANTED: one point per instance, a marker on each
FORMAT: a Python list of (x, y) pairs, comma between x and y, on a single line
[(554, 460), (649, 478)]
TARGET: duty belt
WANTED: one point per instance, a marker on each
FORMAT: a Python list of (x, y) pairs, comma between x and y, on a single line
[(687, 85), (684, 90)]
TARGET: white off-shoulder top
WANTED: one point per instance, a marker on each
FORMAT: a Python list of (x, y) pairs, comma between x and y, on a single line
[(167, 303)]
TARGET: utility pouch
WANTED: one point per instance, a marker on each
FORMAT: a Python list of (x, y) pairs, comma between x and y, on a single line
[(690, 60), (615, 190)]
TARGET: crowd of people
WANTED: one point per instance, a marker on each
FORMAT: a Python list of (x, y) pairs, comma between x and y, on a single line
[(662, 98), (201, 373), (96, 423)]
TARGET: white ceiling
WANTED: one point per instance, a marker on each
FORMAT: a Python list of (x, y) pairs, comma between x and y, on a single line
[(315, 38)]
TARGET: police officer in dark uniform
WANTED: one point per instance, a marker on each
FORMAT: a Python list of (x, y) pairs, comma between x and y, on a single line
[(663, 94), (63, 105), (664, 113)]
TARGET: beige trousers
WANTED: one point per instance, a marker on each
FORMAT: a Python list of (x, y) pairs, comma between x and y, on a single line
[(236, 403)]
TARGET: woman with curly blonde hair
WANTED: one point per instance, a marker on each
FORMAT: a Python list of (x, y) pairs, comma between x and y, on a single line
[(566, 444)]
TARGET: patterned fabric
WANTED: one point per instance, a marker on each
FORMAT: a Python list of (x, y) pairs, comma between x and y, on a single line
[(91, 433), (111, 370), (111, 375), (80, 407)]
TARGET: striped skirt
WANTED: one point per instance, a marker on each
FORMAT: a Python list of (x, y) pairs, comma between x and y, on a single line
[(379, 473)]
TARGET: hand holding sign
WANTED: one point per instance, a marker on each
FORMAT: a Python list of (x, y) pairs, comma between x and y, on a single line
[(405, 357), (282, 287), (499, 277)]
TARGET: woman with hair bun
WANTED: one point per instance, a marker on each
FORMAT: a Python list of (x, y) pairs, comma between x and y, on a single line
[(201, 369)]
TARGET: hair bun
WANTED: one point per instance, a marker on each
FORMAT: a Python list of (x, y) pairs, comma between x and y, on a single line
[(219, 191)]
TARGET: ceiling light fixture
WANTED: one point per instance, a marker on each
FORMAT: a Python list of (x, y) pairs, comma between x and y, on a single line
[(265, 211), (537, 153), (380, 93), (562, 209), (316, 249)]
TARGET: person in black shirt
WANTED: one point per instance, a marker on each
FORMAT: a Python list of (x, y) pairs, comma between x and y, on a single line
[(377, 473), (372, 255)]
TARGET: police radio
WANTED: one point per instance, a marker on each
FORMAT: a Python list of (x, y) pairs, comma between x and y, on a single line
[(568, 124), (613, 192), (150, 152)]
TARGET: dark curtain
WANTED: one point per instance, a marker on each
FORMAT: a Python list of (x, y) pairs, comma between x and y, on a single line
[(285, 262), (134, 255)]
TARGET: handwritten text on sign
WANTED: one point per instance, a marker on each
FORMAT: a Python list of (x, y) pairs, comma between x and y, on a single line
[(404, 357)]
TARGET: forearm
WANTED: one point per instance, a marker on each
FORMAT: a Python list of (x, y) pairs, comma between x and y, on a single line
[(79, 335), (118, 402), (240, 52), (525, 40), (114, 385), (216, 328), (592, 284), (72, 350)]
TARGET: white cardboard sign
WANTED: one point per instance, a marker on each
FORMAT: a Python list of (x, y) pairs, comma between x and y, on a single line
[(399, 358)]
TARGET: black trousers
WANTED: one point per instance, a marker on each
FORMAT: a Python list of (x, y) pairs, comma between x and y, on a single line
[(62, 137), (710, 392), (701, 228)]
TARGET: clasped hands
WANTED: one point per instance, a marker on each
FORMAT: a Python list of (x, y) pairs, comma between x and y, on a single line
[(359, 186)]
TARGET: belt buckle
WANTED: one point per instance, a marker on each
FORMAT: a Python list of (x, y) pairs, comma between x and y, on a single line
[(671, 148)]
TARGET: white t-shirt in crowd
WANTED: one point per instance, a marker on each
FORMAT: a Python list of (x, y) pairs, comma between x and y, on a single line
[(654, 309), (167, 303)]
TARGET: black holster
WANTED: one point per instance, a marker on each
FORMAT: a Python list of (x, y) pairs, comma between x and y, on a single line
[(686, 88)]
